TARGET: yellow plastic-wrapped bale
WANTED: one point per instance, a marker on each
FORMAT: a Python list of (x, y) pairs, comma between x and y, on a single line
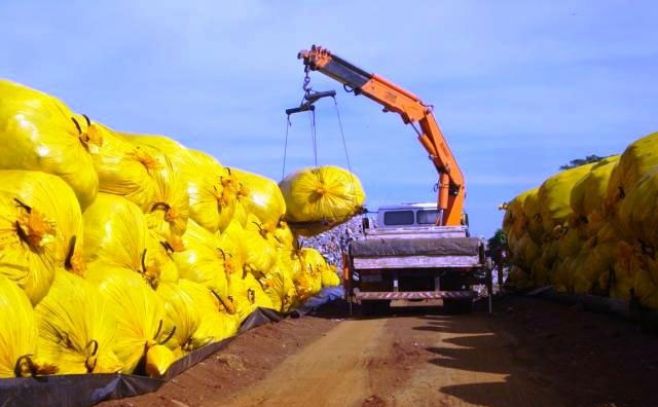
[(116, 234), (263, 198), (555, 196), (637, 160), (258, 246), (525, 252), (139, 315), (247, 294), (168, 213), (76, 327), (628, 261), (18, 331), (329, 276), (216, 323), (39, 132), (125, 169), (279, 286), (645, 284), (588, 196), (201, 261), (637, 218), (319, 198), (40, 229), (182, 316)]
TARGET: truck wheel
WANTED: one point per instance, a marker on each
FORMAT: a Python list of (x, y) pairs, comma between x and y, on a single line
[(458, 306)]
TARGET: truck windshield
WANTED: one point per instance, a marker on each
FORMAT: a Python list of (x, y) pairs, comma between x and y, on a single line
[(426, 217), (399, 218)]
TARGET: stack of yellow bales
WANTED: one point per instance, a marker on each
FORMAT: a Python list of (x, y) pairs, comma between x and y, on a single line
[(122, 252), (591, 229)]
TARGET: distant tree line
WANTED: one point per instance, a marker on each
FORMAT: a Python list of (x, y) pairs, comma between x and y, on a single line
[(592, 158)]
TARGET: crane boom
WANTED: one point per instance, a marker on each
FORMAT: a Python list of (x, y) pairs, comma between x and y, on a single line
[(451, 188)]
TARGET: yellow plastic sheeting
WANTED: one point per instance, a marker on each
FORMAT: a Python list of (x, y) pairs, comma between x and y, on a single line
[(555, 196), (638, 159), (76, 327), (158, 360), (126, 169), (139, 313), (263, 198), (18, 331), (39, 132), (324, 196), (40, 229), (116, 234), (202, 261)]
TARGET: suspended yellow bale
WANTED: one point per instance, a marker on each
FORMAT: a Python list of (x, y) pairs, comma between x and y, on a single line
[(18, 331), (116, 234), (555, 196), (263, 198), (202, 261), (39, 132), (76, 327), (321, 197), (40, 229), (638, 159), (139, 313)]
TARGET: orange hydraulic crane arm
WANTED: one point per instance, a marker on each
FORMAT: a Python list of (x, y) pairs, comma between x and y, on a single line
[(413, 111)]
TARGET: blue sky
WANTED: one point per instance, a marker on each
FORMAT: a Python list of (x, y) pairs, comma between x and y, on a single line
[(519, 87)]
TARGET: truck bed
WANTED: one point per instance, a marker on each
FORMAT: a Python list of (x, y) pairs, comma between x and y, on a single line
[(459, 252)]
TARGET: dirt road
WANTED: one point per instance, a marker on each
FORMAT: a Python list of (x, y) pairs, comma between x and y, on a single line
[(529, 353), (404, 361)]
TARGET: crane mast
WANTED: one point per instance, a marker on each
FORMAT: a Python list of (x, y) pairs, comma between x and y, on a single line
[(451, 188)]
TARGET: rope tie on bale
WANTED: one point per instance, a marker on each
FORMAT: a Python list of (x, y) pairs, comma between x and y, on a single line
[(32, 226)]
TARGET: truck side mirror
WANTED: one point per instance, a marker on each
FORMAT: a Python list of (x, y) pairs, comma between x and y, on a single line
[(365, 223)]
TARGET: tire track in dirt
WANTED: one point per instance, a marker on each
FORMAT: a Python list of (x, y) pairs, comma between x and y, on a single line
[(332, 371)]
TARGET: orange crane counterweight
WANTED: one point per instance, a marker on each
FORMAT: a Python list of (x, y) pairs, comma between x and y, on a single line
[(451, 188)]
